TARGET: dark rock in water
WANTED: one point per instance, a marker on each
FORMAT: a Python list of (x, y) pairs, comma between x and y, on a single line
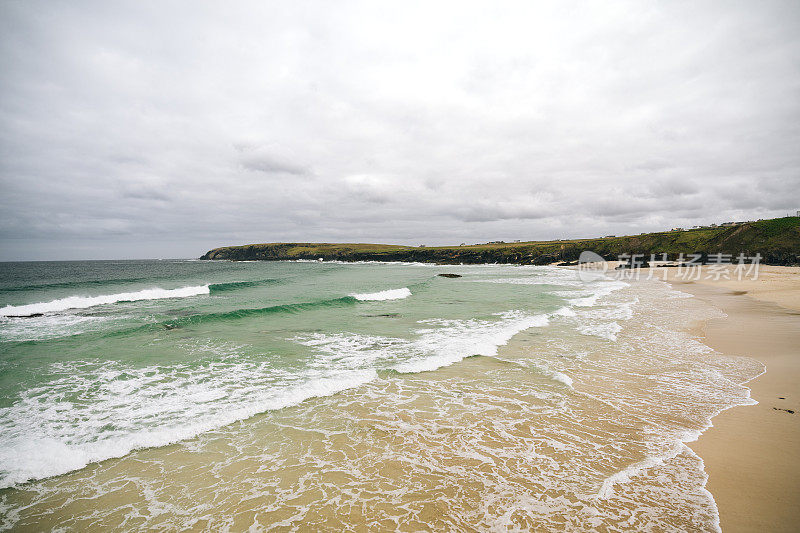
[(383, 315), (33, 315), (787, 410), (450, 275)]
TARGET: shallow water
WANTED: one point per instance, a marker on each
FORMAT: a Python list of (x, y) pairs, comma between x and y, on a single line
[(352, 397)]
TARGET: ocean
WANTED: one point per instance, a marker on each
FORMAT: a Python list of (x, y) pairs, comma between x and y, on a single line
[(185, 394)]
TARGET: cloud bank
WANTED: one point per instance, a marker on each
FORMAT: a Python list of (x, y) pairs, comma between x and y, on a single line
[(165, 129)]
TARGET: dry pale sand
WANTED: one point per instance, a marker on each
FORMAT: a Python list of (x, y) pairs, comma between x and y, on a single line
[(752, 453)]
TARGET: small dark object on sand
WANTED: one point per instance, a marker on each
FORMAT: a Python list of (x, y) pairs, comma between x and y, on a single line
[(787, 410), (633, 265), (450, 275)]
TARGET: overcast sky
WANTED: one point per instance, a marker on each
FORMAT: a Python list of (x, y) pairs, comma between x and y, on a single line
[(164, 129)]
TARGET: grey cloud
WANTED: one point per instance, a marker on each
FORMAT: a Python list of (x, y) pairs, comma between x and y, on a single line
[(144, 193), (273, 165), (136, 129), (653, 165), (666, 187), (269, 159)]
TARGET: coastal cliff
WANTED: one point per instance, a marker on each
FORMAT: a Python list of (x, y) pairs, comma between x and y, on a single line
[(777, 240)]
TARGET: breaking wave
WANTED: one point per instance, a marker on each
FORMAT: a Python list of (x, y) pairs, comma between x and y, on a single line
[(153, 406), (391, 294), (83, 302)]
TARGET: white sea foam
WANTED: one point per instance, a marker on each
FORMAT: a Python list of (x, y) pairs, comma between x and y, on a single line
[(50, 326), (596, 291), (442, 343), (679, 294), (351, 350), (538, 280), (391, 294), (563, 378), (44, 435), (83, 302), (456, 339), (544, 370), (541, 276), (605, 330), (631, 471), (593, 313)]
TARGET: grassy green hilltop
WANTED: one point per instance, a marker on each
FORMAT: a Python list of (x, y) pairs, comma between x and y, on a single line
[(777, 240)]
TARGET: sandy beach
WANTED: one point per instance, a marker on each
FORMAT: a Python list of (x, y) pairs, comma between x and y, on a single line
[(750, 453)]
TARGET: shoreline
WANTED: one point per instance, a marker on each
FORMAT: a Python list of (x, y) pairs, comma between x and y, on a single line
[(750, 452)]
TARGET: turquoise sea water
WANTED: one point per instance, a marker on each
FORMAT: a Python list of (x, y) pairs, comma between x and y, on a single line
[(134, 353), (110, 359)]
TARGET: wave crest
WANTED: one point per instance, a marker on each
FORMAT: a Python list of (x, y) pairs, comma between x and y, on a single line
[(391, 294), (83, 302)]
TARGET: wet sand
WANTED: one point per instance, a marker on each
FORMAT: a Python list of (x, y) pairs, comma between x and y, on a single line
[(751, 453)]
